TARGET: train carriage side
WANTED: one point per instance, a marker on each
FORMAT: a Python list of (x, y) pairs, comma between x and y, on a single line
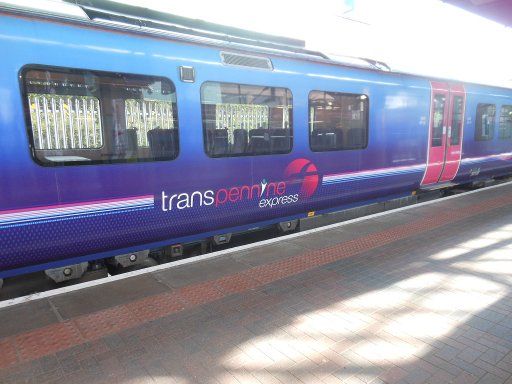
[(487, 144), (94, 186), (389, 161)]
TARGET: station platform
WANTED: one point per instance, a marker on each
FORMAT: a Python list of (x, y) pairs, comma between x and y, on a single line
[(418, 295)]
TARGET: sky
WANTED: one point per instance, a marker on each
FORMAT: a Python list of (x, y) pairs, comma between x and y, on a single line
[(426, 37)]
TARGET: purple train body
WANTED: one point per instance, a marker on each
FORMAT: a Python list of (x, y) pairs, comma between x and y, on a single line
[(316, 136)]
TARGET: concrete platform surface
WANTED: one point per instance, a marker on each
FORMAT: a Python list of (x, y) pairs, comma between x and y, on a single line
[(423, 295)]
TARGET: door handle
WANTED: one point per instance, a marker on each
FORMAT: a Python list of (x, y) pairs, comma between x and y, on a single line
[(449, 131)]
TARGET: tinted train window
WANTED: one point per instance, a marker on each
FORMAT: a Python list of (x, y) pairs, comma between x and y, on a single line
[(457, 119), (506, 122), (438, 120), (241, 120), (85, 117), (484, 123), (337, 121)]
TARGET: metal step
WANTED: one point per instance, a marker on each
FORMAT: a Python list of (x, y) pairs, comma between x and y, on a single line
[(433, 187)]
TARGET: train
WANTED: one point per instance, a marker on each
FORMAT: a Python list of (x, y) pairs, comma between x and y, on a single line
[(128, 133)]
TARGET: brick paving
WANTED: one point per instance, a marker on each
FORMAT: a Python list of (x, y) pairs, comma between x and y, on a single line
[(420, 296)]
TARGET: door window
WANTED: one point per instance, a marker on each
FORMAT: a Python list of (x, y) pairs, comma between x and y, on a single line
[(437, 126), (457, 118)]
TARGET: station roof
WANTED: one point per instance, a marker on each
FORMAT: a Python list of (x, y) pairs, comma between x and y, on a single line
[(497, 10)]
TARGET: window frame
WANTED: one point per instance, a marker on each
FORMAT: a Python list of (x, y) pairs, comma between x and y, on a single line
[(461, 122), (80, 71), (205, 147), (500, 136), (342, 94), (478, 135)]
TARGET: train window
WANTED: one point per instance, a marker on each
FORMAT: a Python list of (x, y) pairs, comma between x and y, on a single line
[(457, 119), (437, 124), (506, 122), (87, 117), (242, 120), (337, 121), (484, 123)]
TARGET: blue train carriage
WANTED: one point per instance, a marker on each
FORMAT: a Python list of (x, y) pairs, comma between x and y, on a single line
[(128, 133)]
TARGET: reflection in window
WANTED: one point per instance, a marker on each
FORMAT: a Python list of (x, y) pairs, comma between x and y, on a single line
[(438, 120), (506, 122), (457, 119), (146, 115), (99, 117), (337, 121), (484, 123), (240, 120), (65, 122)]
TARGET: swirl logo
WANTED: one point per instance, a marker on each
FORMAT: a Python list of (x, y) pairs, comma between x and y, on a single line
[(303, 169)]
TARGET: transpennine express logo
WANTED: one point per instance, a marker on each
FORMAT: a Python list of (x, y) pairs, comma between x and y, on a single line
[(300, 174), (307, 170)]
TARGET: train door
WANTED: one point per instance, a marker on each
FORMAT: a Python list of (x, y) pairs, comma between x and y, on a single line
[(453, 147), (445, 138)]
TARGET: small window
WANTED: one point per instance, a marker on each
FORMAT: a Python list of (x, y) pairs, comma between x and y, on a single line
[(242, 120), (485, 120), (86, 117), (337, 121), (457, 119), (506, 122), (438, 120)]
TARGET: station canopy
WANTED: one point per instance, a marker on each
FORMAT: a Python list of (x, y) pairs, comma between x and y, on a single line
[(497, 10)]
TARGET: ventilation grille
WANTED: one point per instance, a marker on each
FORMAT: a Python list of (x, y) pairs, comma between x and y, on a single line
[(246, 61)]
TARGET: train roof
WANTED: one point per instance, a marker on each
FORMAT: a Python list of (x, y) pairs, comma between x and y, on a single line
[(140, 20), (104, 13)]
